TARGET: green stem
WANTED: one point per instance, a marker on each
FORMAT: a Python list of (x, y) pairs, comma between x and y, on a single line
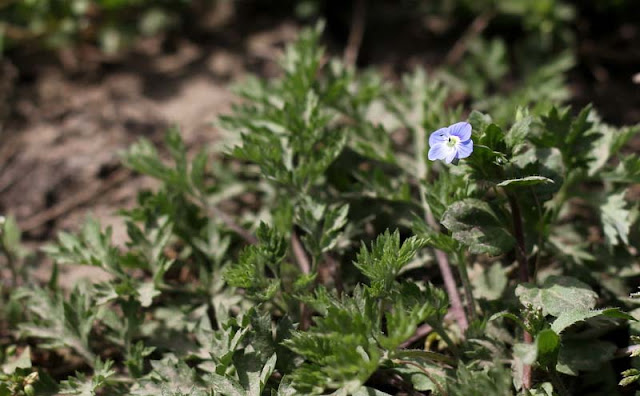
[(518, 231), (12, 267), (437, 327), (521, 256)]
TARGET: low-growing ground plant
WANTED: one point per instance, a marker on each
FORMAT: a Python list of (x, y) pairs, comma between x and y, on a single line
[(352, 236)]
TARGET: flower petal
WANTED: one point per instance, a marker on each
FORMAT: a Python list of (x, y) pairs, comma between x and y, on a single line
[(439, 136), (461, 130), (465, 149), (439, 151), (451, 155)]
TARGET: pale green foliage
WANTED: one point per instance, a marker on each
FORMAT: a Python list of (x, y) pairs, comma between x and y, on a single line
[(474, 223), (383, 263), (268, 268), (60, 322), (82, 386)]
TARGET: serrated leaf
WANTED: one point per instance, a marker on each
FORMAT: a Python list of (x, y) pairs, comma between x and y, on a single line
[(225, 385), (386, 258), (616, 219)]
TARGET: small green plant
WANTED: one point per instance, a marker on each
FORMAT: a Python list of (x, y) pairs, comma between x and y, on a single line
[(346, 241), (112, 25)]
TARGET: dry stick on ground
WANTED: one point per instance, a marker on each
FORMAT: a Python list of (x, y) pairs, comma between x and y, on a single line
[(74, 201), (460, 47), (523, 274), (357, 32)]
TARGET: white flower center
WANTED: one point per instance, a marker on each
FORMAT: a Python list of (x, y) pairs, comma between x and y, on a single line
[(453, 141)]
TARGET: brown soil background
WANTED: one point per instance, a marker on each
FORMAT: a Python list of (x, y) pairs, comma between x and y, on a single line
[(70, 114)]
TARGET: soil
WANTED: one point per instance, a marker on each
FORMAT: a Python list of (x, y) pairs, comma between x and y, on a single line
[(72, 113)]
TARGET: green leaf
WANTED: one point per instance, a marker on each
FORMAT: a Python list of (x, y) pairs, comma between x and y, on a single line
[(10, 234), (569, 318), (629, 376), (527, 353), (557, 294), (22, 361), (547, 344), (473, 223), (525, 181), (386, 258), (616, 219), (490, 284), (574, 357), (367, 391), (60, 322), (146, 293), (82, 386), (520, 129), (174, 377), (509, 315)]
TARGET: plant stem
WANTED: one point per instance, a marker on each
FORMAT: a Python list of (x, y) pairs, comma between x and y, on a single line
[(11, 262), (466, 284), (518, 232), (305, 268), (425, 372), (521, 256), (357, 32), (437, 327), (299, 253), (441, 257)]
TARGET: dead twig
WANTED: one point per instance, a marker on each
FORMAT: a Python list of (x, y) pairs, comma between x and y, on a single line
[(299, 253), (478, 25), (356, 33), (449, 281), (421, 332)]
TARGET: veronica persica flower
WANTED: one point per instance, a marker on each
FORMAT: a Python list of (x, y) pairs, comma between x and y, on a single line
[(451, 143)]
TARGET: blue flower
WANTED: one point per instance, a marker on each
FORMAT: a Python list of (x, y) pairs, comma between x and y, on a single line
[(451, 143)]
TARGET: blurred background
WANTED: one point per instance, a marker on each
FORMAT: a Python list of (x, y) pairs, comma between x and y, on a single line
[(82, 79)]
